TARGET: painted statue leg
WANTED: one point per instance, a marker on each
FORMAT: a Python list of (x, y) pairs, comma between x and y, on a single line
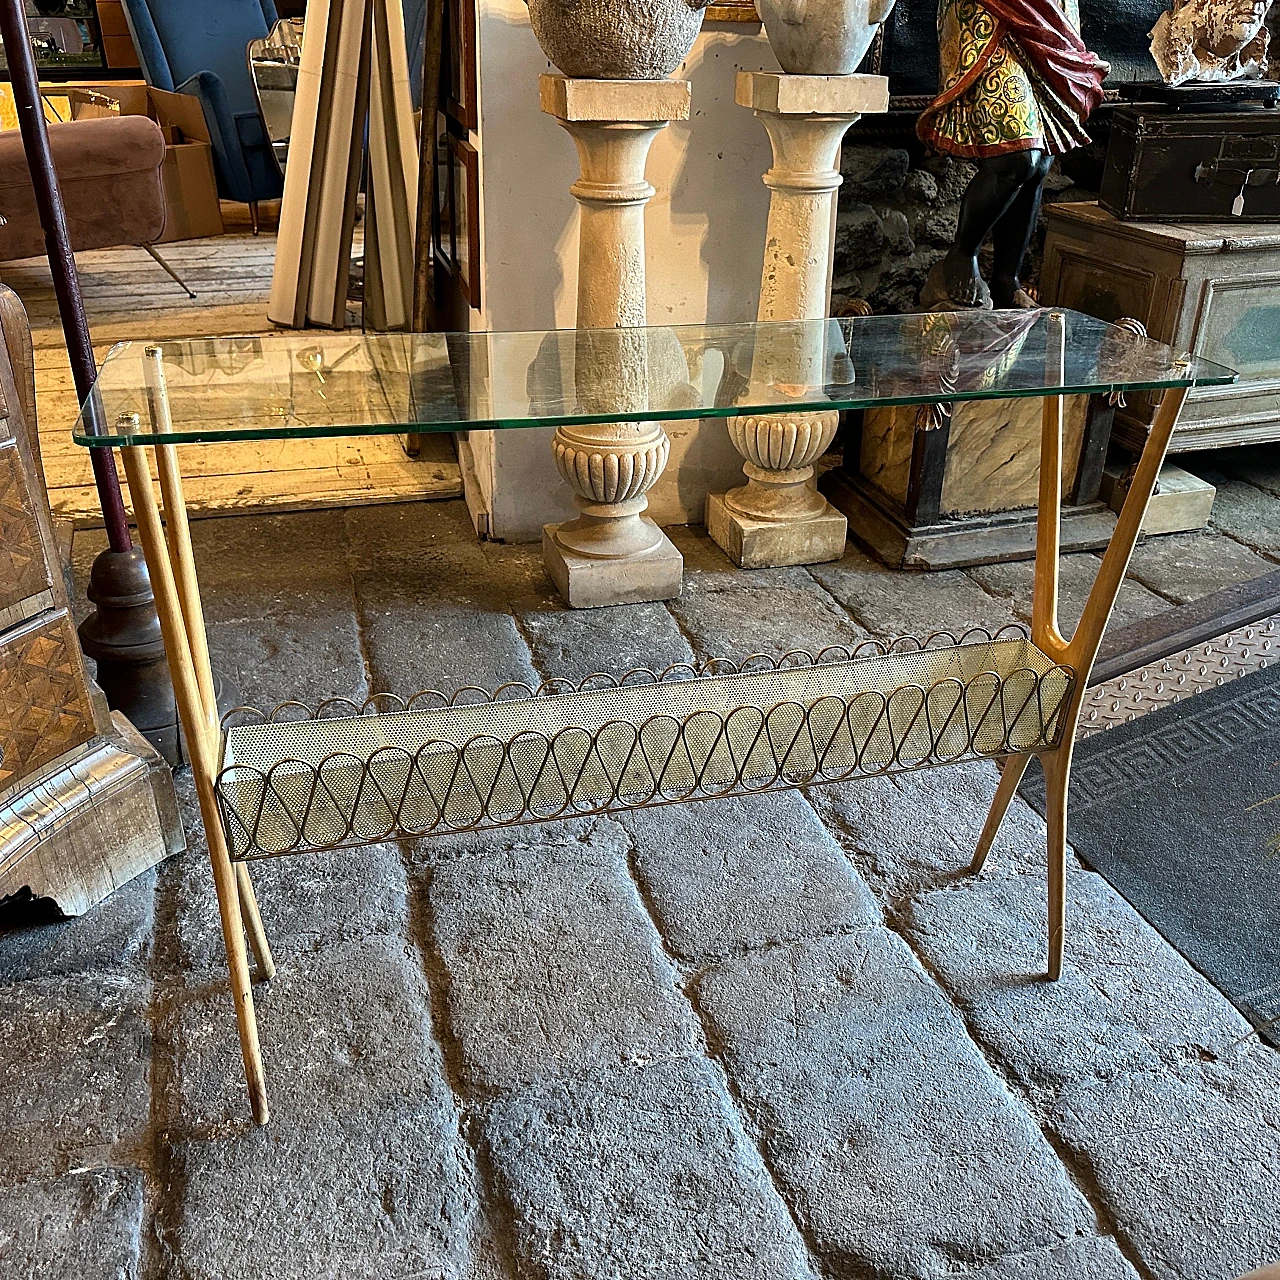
[(1012, 237), (1057, 774), (994, 188), (1010, 775)]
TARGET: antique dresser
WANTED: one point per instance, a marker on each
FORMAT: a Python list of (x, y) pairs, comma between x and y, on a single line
[(1212, 289)]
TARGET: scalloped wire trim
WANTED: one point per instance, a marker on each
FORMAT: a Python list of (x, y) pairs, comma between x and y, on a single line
[(472, 784), (435, 699)]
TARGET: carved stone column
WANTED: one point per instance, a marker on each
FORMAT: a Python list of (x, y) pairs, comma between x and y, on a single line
[(778, 517), (612, 553)]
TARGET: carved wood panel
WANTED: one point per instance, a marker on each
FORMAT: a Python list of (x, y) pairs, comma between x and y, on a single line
[(24, 570), (44, 704)]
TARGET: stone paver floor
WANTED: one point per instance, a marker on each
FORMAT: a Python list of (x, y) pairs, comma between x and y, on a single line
[(782, 1037)]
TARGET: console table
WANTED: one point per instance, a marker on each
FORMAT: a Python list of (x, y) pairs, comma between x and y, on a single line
[(340, 775)]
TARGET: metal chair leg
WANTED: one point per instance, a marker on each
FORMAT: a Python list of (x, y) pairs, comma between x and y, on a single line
[(177, 279)]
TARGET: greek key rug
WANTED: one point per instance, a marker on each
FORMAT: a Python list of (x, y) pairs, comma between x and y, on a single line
[(1180, 811)]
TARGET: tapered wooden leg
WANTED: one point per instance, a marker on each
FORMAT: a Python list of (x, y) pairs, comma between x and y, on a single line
[(253, 924), (1057, 773), (191, 710), (182, 559), (1010, 776)]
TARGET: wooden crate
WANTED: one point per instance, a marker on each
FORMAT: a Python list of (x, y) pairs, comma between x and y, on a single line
[(1207, 288)]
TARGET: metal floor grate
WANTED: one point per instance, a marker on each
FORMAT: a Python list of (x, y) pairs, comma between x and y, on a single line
[(1195, 670), (309, 779)]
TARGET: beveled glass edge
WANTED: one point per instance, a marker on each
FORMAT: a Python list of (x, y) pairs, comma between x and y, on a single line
[(1201, 374)]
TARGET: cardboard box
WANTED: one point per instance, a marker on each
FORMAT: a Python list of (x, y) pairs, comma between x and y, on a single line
[(111, 19), (120, 53), (190, 193), (190, 188), (130, 97), (117, 43)]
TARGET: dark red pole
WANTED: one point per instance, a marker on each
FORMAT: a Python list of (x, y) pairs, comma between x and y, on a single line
[(123, 632), (66, 283)]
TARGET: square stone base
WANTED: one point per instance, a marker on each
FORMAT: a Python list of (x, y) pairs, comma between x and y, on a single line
[(765, 544), (783, 94), (588, 583)]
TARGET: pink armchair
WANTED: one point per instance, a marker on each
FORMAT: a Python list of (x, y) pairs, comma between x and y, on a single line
[(109, 172)]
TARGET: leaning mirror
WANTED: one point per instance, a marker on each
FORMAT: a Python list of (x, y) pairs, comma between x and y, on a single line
[(273, 65)]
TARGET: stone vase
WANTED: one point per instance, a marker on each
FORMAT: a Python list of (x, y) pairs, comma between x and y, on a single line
[(822, 37), (616, 39)]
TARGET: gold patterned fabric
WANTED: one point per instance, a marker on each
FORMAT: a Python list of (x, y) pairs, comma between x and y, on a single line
[(993, 98)]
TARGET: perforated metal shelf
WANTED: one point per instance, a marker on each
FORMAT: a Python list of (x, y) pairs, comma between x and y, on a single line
[(339, 775)]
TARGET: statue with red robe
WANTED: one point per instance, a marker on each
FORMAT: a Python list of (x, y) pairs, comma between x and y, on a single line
[(1017, 85)]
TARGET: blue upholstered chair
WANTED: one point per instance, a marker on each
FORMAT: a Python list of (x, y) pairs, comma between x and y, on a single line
[(198, 47)]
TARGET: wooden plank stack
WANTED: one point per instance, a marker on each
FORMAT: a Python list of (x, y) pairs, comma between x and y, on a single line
[(353, 114)]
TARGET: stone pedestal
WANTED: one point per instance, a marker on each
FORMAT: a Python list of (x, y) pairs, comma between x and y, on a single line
[(777, 517), (612, 553)]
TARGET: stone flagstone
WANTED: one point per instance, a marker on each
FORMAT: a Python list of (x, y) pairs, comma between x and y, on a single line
[(726, 876), (642, 1173), (900, 1149), (362, 1165), (551, 965), (899, 602), (675, 1043), (75, 1087), (307, 903), (787, 610), (87, 1226), (905, 832), (1137, 1066), (1090, 1258)]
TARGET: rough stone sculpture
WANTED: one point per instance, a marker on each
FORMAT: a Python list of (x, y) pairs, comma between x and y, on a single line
[(616, 39), (1211, 41), (822, 37)]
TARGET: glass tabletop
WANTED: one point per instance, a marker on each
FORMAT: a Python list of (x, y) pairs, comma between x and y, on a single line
[(316, 383)]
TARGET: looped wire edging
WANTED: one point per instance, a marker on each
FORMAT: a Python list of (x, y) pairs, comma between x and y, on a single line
[(633, 741)]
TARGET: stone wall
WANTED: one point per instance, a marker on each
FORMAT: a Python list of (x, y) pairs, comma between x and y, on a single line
[(898, 208)]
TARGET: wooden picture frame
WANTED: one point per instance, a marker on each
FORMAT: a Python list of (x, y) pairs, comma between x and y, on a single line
[(732, 11), (465, 176), (458, 64), (64, 45)]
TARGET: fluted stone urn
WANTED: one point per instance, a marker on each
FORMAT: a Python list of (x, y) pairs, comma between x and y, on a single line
[(616, 39), (780, 450), (822, 37)]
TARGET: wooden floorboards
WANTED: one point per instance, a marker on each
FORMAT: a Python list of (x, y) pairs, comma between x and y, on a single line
[(129, 297)]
